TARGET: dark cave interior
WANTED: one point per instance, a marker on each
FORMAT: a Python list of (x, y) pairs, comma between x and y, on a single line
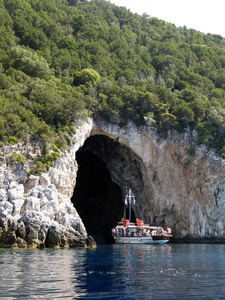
[(97, 199)]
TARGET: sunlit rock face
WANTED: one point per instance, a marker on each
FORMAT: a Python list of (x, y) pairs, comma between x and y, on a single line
[(175, 182), (36, 211)]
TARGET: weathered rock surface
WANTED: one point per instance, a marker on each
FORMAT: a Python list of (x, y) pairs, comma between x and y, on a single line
[(172, 187), (36, 211)]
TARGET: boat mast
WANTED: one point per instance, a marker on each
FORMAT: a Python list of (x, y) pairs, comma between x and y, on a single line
[(128, 199)]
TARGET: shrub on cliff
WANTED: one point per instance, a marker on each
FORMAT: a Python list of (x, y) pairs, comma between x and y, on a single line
[(16, 158), (43, 164)]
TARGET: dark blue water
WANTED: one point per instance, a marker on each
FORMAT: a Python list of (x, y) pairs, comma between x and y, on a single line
[(186, 271)]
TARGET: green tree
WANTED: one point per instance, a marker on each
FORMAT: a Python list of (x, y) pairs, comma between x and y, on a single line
[(183, 112), (29, 62), (2, 127), (87, 77)]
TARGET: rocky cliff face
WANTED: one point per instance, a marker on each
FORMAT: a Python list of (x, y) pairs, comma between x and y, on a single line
[(176, 184), (36, 211)]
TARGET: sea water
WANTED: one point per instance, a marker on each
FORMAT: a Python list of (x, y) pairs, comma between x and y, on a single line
[(170, 271)]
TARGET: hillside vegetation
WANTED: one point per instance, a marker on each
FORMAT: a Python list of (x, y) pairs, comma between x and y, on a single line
[(61, 60)]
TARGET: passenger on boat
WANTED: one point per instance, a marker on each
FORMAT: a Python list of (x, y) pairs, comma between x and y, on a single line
[(148, 233), (114, 231), (159, 231), (119, 233), (168, 230)]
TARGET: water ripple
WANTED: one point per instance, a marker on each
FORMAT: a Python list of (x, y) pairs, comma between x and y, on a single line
[(114, 272)]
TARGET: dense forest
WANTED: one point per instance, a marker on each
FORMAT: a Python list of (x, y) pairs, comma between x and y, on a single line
[(62, 60)]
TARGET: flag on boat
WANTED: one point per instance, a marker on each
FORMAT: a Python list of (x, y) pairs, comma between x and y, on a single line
[(129, 197)]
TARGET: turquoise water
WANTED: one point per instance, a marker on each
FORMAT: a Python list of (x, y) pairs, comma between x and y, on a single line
[(171, 271)]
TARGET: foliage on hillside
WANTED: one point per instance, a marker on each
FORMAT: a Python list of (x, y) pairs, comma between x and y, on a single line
[(61, 60)]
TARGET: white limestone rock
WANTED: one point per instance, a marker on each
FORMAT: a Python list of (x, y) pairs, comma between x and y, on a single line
[(16, 192), (3, 194), (6, 208), (50, 193), (32, 204), (44, 180), (17, 206), (31, 182)]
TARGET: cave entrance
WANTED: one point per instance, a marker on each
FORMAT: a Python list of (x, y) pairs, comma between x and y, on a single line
[(105, 169), (97, 199)]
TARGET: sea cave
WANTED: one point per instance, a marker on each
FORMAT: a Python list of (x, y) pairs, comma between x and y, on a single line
[(105, 170)]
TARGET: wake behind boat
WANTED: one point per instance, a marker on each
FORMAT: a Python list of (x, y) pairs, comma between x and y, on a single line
[(139, 233)]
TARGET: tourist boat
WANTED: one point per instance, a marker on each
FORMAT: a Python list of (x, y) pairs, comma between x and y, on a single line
[(127, 232)]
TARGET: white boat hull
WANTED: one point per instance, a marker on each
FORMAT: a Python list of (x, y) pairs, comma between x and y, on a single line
[(138, 240)]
